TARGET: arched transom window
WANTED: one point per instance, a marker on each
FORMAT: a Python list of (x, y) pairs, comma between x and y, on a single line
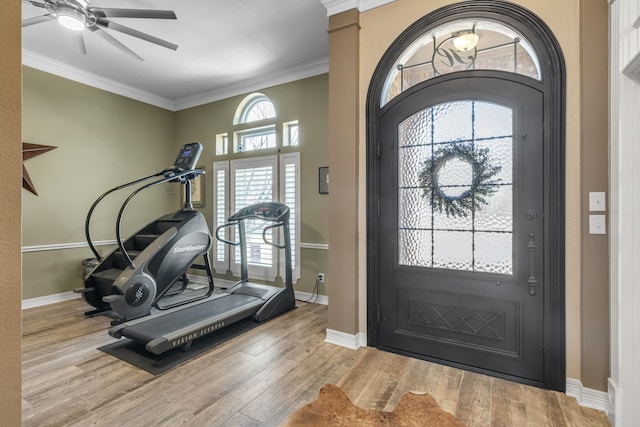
[(253, 108), (459, 46)]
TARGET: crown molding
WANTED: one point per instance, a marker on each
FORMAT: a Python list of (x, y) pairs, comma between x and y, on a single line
[(48, 65), (303, 71), (337, 6)]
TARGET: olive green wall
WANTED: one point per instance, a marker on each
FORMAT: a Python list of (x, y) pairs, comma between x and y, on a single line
[(10, 183), (303, 100), (103, 140)]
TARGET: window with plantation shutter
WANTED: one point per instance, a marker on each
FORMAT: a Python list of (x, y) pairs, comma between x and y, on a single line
[(254, 180), (242, 182)]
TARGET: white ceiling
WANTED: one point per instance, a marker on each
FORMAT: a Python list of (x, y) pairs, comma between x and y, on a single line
[(226, 47)]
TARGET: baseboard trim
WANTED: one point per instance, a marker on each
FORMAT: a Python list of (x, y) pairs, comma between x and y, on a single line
[(614, 401), (346, 340), (313, 298), (66, 296), (587, 397), (221, 283), (48, 299)]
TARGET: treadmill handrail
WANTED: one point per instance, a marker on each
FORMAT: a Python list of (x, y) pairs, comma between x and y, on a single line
[(264, 235), (98, 200), (171, 177), (228, 242)]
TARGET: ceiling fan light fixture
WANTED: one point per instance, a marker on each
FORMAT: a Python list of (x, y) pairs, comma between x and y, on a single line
[(71, 22), (70, 14)]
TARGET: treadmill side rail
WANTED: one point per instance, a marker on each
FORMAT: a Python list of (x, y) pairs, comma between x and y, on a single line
[(279, 303)]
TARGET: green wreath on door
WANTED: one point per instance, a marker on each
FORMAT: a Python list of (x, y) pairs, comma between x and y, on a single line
[(482, 183)]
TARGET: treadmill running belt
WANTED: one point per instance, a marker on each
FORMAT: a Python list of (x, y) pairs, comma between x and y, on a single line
[(135, 353), (192, 316)]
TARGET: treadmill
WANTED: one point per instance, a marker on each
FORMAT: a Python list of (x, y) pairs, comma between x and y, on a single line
[(178, 328)]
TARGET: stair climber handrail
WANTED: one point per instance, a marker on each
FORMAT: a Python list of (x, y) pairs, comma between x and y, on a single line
[(98, 200), (181, 176)]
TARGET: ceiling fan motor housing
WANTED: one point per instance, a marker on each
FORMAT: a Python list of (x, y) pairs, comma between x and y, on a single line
[(71, 10)]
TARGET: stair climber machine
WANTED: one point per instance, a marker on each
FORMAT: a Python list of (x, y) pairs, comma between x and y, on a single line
[(178, 328), (152, 263)]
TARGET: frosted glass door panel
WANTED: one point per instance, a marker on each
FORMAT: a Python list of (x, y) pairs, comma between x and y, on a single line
[(463, 218)]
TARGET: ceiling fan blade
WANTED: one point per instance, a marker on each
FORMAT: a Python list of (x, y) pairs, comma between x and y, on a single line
[(35, 3), (133, 13), (78, 42), (135, 33), (109, 38), (37, 20)]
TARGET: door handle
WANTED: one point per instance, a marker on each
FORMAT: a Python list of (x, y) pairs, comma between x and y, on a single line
[(532, 248)]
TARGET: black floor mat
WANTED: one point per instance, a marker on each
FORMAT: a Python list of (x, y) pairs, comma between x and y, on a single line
[(135, 354)]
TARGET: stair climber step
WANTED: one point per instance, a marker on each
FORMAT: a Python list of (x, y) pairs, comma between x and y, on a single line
[(162, 226), (141, 241), (104, 279), (120, 261)]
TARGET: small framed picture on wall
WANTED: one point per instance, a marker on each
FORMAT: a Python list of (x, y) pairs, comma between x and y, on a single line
[(323, 180)]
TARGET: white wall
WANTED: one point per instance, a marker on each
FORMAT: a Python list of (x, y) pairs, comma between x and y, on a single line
[(624, 189)]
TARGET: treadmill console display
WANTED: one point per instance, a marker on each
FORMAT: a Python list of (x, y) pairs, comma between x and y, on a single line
[(268, 211), (188, 156)]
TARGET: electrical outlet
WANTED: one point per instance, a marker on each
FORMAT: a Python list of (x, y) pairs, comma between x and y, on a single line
[(321, 277)]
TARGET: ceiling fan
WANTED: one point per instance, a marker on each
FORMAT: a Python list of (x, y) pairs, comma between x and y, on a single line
[(76, 15)]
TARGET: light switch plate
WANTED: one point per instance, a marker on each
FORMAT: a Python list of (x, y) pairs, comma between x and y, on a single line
[(597, 224), (597, 202)]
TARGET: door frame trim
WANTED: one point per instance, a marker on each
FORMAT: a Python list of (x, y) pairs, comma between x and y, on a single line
[(553, 87)]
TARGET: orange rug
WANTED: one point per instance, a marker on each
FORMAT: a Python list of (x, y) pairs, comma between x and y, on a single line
[(333, 408)]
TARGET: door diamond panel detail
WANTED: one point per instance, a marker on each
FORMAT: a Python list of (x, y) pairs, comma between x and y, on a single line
[(457, 318)]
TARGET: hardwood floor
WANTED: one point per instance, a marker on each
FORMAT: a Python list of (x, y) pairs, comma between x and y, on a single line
[(256, 379)]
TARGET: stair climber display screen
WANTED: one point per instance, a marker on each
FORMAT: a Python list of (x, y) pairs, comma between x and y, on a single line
[(178, 328), (152, 263), (187, 157)]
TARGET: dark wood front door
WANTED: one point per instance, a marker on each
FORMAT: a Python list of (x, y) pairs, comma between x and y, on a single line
[(461, 252)]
